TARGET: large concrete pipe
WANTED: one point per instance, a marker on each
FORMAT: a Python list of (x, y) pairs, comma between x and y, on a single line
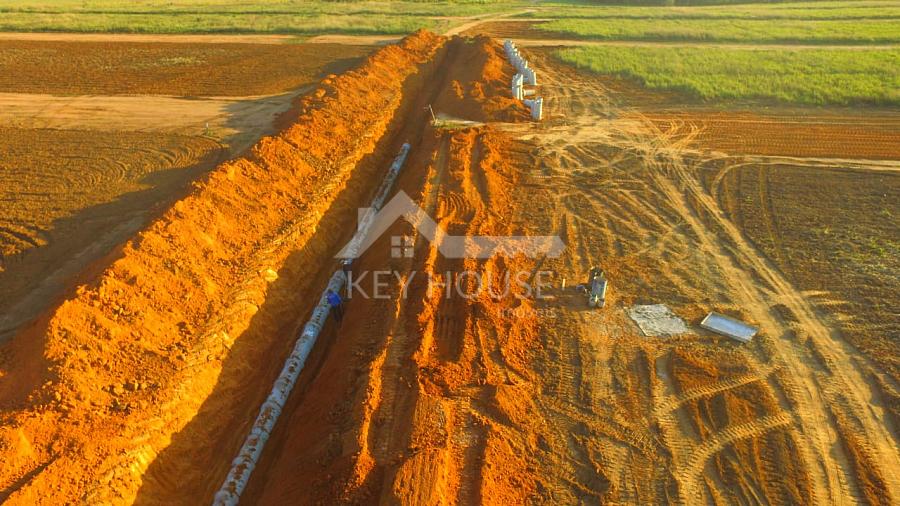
[(243, 464), (517, 91), (508, 46), (537, 107), (365, 222)]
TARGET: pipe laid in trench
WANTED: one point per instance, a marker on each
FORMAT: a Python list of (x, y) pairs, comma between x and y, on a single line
[(242, 466)]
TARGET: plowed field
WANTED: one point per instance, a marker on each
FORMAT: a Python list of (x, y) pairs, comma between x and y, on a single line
[(182, 69), (82, 171), (69, 196), (871, 136)]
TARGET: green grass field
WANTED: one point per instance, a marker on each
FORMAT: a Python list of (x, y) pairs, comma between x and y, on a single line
[(821, 77), (805, 31), (852, 9), (813, 76), (228, 16), (809, 23), (299, 24), (827, 76)]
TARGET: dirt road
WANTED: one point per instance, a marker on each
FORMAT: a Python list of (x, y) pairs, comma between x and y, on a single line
[(149, 37), (235, 121)]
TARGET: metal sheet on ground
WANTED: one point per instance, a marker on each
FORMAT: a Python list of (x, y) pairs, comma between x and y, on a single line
[(730, 327)]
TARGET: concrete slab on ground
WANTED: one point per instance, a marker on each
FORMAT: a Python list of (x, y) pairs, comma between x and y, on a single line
[(657, 320)]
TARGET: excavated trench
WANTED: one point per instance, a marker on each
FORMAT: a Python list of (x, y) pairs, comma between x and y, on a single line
[(141, 386)]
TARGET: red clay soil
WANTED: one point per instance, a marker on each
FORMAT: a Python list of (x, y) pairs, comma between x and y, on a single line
[(417, 400), (141, 386), (405, 403), (741, 465), (479, 87), (95, 390)]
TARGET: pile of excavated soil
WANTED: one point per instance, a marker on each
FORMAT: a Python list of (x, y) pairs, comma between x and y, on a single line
[(393, 407), (477, 87), (68, 197), (92, 392), (416, 401)]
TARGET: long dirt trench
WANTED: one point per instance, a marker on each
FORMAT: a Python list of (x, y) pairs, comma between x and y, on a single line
[(433, 400), (142, 385)]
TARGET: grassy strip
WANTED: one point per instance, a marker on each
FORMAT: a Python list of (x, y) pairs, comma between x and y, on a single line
[(806, 77), (731, 30), (803, 10), (228, 16), (215, 23), (260, 7)]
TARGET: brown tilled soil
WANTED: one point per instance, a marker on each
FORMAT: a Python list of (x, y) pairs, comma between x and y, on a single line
[(142, 385), (834, 232), (181, 69), (42, 181), (800, 415), (82, 173), (516, 30), (801, 133)]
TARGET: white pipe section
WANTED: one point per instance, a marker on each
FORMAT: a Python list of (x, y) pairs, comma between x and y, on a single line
[(524, 75), (365, 222), (537, 107), (242, 466), (517, 91)]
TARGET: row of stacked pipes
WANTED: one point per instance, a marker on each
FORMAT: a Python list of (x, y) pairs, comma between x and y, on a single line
[(524, 75)]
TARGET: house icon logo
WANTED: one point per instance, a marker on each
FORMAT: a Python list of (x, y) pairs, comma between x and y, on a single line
[(373, 223)]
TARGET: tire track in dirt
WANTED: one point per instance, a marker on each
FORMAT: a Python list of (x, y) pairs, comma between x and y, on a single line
[(824, 339), (843, 375), (748, 279), (743, 286), (674, 402), (689, 472)]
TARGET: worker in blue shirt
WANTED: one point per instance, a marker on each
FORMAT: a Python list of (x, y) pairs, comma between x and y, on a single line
[(337, 305)]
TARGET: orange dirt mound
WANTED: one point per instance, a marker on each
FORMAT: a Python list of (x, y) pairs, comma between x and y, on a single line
[(95, 390), (479, 87), (416, 404)]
